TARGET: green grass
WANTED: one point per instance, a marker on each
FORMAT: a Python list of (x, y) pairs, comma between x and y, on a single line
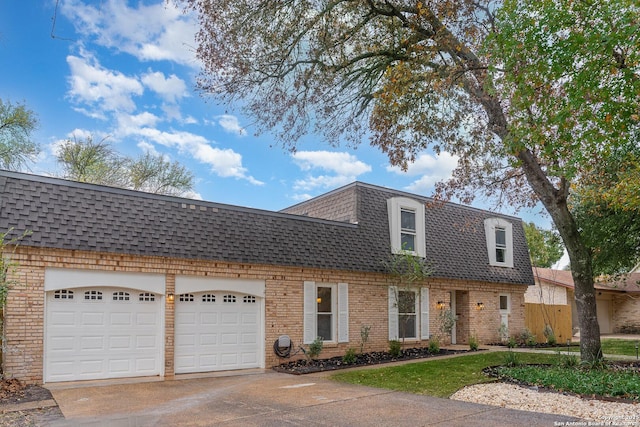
[(613, 346), (440, 377)]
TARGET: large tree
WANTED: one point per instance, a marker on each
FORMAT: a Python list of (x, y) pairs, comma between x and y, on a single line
[(529, 95), (98, 162), (17, 148), (545, 246)]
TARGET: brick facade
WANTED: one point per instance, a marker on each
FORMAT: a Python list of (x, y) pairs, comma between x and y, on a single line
[(368, 303)]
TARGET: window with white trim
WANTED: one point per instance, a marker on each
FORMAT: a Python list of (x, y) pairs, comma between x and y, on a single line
[(408, 313), (499, 235), (326, 312), (505, 303), (406, 225)]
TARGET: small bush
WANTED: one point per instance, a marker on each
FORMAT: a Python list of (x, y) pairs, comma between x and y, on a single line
[(349, 357), (549, 335), (315, 348), (511, 343), (434, 346), (569, 361), (511, 359), (473, 343), (395, 348), (526, 338)]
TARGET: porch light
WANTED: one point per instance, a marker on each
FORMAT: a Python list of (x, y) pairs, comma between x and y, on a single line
[(170, 297), (318, 300), (480, 306), (440, 305)]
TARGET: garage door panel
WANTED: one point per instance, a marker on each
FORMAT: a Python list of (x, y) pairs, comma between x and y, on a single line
[(227, 332), (92, 343), (121, 319), (99, 338), (209, 319), (120, 342)]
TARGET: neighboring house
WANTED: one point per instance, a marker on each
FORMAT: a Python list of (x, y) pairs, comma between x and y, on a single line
[(617, 299), (116, 283)]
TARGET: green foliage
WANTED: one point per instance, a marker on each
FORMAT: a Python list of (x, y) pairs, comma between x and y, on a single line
[(395, 348), (350, 356), (601, 382), (511, 342), (569, 361), (315, 348), (526, 338), (99, 163), (549, 335), (434, 345), (364, 336), (17, 123), (511, 359), (473, 343), (545, 246), (612, 233)]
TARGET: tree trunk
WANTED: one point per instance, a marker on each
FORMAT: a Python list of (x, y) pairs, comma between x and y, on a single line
[(555, 202)]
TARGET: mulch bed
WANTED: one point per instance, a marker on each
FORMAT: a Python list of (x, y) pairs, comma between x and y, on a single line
[(13, 391), (303, 366)]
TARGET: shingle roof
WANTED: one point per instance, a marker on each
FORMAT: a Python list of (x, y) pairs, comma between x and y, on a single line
[(70, 215)]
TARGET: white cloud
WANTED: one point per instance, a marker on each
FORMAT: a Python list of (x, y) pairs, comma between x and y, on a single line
[(148, 148), (103, 89), (343, 168), (154, 32), (225, 163), (230, 124), (171, 88), (343, 164), (429, 168)]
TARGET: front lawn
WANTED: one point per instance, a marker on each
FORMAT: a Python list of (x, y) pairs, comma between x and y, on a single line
[(613, 346), (441, 377)]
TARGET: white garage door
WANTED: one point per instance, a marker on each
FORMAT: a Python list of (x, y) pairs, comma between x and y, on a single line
[(217, 331), (102, 332)]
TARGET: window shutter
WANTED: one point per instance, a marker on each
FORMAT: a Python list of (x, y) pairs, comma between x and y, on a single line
[(343, 312), (393, 313), (424, 313), (310, 306)]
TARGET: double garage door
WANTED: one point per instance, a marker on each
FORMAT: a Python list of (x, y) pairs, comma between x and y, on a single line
[(98, 332)]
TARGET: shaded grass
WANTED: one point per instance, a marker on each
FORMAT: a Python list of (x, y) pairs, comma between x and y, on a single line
[(615, 346), (440, 377)]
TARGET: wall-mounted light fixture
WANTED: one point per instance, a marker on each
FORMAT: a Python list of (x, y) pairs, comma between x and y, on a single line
[(440, 305), (170, 297), (480, 306), (318, 300)]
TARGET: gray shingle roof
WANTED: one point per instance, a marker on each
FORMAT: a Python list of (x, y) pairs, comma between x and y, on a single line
[(70, 215)]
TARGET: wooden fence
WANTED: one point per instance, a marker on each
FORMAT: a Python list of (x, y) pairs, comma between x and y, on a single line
[(536, 316)]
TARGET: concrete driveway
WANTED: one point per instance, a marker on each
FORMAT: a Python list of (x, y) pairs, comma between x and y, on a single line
[(267, 398)]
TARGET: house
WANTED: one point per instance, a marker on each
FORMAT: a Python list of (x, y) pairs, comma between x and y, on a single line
[(117, 283), (617, 299)]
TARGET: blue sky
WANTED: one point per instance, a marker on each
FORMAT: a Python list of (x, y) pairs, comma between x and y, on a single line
[(127, 69)]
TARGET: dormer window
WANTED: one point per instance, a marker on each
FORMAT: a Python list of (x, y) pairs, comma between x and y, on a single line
[(406, 226), (408, 229), (499, 233)]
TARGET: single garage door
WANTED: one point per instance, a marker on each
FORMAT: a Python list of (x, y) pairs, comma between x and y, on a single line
[(217, 330), (102, 332)]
